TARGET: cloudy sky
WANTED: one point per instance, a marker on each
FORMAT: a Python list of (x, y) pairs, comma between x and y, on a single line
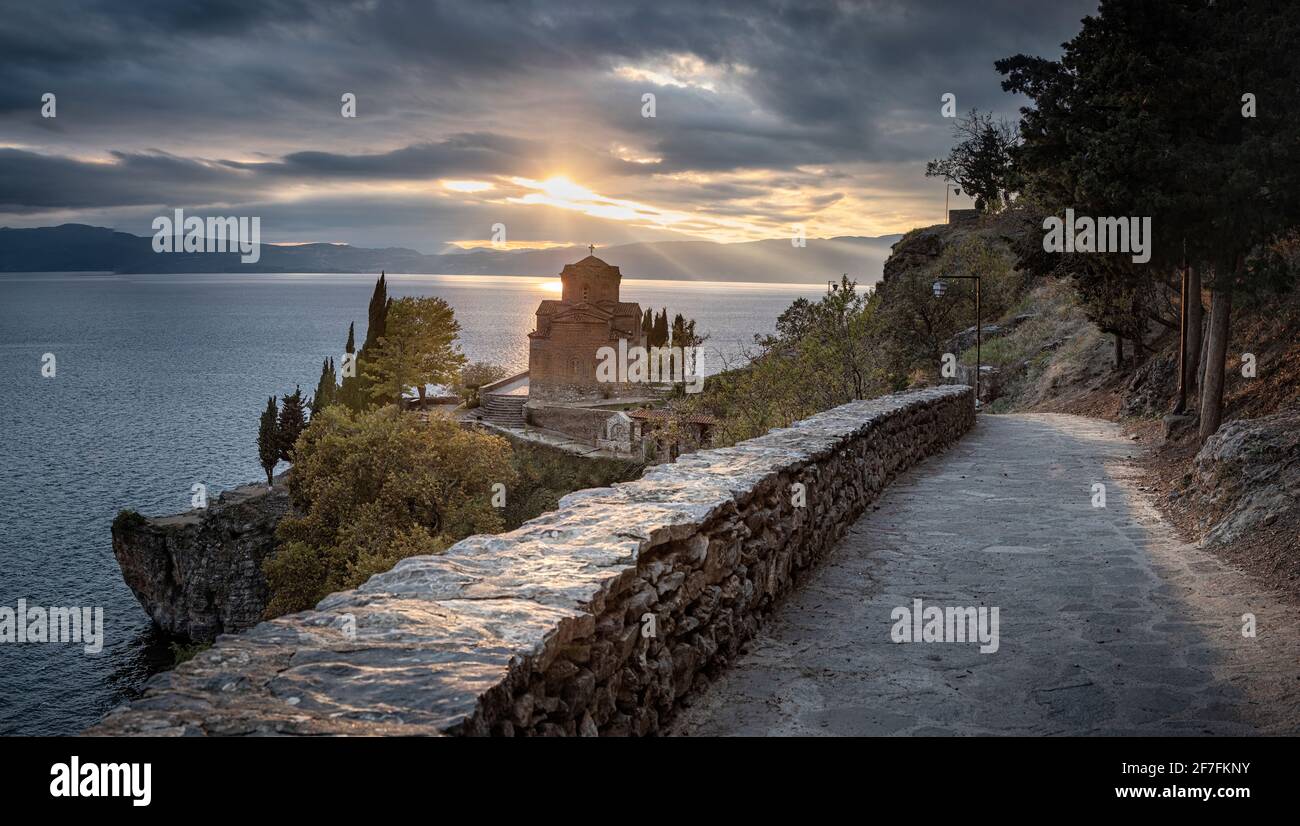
[(470, 114)]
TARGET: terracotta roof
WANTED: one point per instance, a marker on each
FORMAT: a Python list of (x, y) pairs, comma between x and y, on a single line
[(668, 415)]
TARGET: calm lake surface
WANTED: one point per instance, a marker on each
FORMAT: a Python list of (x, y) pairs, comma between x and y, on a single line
[(160, 380)]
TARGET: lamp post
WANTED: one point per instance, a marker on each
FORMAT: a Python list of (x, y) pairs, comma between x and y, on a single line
[(940, 288)]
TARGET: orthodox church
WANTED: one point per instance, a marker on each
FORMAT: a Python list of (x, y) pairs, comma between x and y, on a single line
[(588, 315)]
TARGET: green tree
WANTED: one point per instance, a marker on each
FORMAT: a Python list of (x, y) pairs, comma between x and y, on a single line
[(1108, 135), (419, 346), (348, 393), (659, 337), (377, 313), (685, 336), (821, 356), (370, 489), (837, 346), (327, 388), (980, 163), (358, 391), (911, 328), (268, 440), (291, 423), (1144, 115)]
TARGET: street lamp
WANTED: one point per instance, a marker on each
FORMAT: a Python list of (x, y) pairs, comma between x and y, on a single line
[(940, 288)]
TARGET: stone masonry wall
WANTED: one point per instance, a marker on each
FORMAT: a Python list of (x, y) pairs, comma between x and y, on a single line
[(547, 629), (585, 424)]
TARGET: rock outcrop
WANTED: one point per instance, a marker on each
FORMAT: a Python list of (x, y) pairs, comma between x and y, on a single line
[(917, 250), (593, 619), (199, 574), (1151, 390), (965, 340), (1246, 475)]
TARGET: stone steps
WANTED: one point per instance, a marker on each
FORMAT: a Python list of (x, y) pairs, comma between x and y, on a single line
[(507, 411)]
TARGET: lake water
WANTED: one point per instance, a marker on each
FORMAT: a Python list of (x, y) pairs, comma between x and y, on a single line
[(159, 383)]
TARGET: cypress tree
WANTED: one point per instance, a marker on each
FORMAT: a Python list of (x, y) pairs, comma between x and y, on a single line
[(648, 324), (661, 329), (376, 329), (326, 388), (347, 393), (377, 314), (268, 442), (292, 422)]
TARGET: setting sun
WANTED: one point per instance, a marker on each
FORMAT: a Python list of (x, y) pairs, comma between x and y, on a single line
[(559, 186)]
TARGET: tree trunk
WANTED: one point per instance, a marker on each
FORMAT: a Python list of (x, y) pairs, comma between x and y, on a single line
[(1200, 368), (1180, 401), (1139, 333), (1119, 353), (1216, 352), (1195, 314)]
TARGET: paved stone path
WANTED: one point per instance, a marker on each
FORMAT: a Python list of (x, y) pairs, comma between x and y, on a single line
[(1108, 623)]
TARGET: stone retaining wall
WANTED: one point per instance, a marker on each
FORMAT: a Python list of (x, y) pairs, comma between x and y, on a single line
[(596, 618), (584, 424)]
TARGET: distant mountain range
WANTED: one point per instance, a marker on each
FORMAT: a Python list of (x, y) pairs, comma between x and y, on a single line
[(79, 248)]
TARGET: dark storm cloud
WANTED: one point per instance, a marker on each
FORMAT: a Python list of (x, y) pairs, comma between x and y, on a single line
[(465, 154), (815, 65), (459, 89), (31, 182), (41, 42)]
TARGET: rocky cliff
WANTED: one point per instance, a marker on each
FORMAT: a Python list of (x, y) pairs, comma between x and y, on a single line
[(199, 574)]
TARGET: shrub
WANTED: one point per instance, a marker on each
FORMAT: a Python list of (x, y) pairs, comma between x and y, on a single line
[(370, 489), (475, 375)]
